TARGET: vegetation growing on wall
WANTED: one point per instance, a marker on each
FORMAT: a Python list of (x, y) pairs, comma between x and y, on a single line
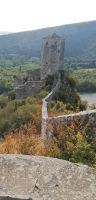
[(75, 143)]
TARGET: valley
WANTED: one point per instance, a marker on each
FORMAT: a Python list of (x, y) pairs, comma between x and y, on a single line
[(20, 120)]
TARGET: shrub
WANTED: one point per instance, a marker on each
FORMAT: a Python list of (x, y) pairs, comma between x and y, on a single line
[(3, 101), (42, 94)]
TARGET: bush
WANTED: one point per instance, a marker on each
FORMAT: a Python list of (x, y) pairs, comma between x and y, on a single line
[(75, 142), (83, 105), (3, 101), (42, 94), (11, 95), (16, 113)]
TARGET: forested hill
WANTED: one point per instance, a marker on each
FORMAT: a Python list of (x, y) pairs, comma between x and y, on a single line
[(80, 41)]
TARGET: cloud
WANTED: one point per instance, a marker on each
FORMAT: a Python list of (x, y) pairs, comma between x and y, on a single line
[(18, 15)]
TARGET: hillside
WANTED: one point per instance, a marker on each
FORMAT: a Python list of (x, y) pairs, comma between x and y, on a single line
[(80, 41)]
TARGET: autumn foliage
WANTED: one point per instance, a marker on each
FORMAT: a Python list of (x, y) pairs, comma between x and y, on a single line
[(23, 141), (74, 142), (20, 128)]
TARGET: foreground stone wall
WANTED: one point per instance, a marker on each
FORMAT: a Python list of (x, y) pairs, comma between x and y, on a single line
[(43, 178), (81, 117)]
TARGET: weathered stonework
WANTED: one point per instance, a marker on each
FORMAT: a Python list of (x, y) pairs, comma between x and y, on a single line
[(45, 103), (31, 86), (43, 178), (51, 63), (52, 55), (50, 123), (34, 75), (66, 120)]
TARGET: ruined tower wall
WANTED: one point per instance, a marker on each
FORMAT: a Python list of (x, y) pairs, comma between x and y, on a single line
[(52, 55), (34, 75), (30, 88)]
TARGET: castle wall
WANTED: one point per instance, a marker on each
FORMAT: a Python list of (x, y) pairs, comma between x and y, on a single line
[(30, 88), (81, 117), (34, 75), (45, 102), (49, 124), (20, 92), (18, 81)]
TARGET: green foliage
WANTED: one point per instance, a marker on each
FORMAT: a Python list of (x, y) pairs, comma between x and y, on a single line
[(76, 143), (84, 153), (82, 105), (14, 114), (3, 101), (4, 87), (49, 83), (42, 94), (11, 95), (85, 79), (7, 73)]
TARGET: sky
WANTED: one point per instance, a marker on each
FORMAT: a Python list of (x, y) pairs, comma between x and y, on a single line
[(22, 15)]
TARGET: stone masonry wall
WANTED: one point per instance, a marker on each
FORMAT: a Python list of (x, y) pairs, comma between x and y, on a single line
[(52, 55), (82, 117), (45, 102), (30, 88)]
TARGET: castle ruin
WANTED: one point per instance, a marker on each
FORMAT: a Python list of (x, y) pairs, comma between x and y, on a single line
[(52, 61), (52, 55)]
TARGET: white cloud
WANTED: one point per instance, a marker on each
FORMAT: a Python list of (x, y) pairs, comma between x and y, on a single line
[(18, 15)]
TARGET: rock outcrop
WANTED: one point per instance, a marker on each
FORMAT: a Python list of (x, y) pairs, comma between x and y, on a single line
[(43, 178)]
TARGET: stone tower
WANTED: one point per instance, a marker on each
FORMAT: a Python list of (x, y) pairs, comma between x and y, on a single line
[(52, 55)]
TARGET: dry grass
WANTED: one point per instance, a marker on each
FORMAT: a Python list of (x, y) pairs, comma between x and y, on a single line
[(23, 141)]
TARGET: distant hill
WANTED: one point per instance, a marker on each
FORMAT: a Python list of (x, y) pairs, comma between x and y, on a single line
[(80, 41), (4, 32)]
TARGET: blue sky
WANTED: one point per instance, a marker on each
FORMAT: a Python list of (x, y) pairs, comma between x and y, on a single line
[(21, 15)]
